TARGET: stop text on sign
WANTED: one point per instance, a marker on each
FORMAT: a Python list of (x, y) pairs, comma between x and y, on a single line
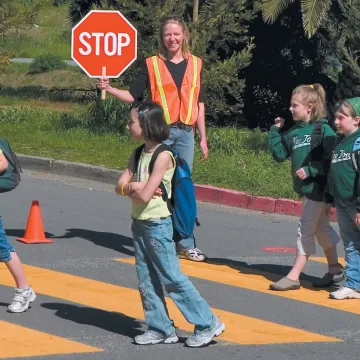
[(111, 43)]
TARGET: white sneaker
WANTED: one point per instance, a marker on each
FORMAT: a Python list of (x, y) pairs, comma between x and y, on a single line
[(152, 337), (192, 254), (345, 293), (22, 300), (203, 338)]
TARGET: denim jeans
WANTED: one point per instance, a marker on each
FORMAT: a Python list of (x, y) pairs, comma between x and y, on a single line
[(157, 266), (5, 247), (182, 141), (350, 234)]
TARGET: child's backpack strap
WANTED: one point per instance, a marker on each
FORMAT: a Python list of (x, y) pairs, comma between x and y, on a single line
[(355, 154), (159, 150), (138, 152), (316, 135)]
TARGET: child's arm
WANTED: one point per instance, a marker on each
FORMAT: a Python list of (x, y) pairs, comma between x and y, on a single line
[(162, 163), (276, 142), (3, 162), (123, 185)]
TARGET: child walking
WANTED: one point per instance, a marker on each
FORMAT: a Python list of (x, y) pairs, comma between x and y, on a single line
[(157, 264), (343, 185), (309, 181), (24, 294)]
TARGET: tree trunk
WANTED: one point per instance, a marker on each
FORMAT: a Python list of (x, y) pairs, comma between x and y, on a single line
[(195, 10)]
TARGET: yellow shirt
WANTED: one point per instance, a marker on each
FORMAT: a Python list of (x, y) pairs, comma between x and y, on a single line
[(156, 208)]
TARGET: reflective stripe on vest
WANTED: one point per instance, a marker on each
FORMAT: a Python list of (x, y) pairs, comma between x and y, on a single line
[(161, 90), (191, 101)]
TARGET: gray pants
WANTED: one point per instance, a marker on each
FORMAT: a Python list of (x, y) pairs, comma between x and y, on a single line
[(314, 222)]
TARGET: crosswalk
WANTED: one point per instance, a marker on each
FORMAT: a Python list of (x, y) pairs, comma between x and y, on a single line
[(241, 329)]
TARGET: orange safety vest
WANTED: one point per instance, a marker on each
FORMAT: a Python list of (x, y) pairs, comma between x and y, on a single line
[(164, 91)]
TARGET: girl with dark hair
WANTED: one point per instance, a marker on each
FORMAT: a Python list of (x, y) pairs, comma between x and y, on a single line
[(157, 264), (173, 77)]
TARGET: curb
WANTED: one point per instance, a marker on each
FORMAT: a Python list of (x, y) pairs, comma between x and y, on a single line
[(204, 193)]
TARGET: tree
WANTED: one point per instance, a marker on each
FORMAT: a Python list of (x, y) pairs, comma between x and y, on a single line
[(313, 12), (18, 14), (15, 15), (283, 58)]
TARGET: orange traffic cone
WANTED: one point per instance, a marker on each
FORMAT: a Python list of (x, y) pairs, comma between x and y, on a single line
[(34, 233)]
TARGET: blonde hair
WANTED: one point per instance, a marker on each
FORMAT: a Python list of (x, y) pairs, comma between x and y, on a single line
[(313, 95), (175, 19)]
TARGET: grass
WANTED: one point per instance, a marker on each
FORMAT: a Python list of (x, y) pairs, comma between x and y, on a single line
[(52, 36), (17, 75), (237, 157)]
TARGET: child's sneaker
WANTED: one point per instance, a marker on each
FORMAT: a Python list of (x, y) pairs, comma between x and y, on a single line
[(345, 293), (204, 337), (22, 300), (152, 337), (192, 255)]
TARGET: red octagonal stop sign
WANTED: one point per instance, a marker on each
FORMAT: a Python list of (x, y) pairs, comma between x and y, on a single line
[(104, 39)]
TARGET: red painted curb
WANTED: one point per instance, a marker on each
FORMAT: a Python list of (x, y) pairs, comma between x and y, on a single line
[(261, 203), (288, 207), (216, 195)]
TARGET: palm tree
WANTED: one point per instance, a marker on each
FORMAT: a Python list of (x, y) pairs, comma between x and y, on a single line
[(313, 12)]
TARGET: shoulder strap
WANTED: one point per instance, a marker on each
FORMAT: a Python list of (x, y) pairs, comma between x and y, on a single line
[(156, 153), (138, 152), (316, 135)]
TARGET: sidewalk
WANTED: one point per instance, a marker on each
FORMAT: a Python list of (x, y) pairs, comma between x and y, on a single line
[(204, 193)]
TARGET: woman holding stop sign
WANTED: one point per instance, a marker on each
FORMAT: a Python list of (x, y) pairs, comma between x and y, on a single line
[(174, 80)]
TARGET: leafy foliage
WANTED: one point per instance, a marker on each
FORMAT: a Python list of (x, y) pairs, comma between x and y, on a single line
[(313, 12), (46, 63)]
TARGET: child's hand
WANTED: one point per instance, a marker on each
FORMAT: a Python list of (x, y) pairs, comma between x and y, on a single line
[(357, 218), (301, 174), (136, 186), (158, 192), (279, 122)]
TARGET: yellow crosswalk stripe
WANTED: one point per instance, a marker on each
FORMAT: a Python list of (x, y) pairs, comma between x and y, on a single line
[(256, 280), (18, 341), (240, 329), (324, 261)]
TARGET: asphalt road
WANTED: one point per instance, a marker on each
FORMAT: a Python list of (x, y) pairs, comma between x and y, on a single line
[(88, 305)]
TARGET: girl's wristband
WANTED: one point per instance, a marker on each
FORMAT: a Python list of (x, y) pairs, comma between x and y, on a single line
[(122, 189)]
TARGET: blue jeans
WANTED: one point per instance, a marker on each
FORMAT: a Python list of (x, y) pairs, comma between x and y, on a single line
[(5, 247), (157, 265), (350, 234), (182, 141)]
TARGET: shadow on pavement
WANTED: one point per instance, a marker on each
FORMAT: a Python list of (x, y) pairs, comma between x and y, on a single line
[(21, 232), (271, 272), (110, 321), (106, 239)]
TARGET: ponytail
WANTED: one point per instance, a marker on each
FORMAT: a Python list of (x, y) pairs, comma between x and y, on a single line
[(313, 94)]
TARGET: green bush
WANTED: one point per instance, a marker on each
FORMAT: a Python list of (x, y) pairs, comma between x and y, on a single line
[(232, 141), (46, 63), (108, 116)]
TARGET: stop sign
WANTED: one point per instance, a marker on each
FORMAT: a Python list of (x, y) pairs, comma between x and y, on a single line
[(104, 39)]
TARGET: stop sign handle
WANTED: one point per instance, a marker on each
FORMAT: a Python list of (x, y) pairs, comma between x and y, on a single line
[(103, 74)]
